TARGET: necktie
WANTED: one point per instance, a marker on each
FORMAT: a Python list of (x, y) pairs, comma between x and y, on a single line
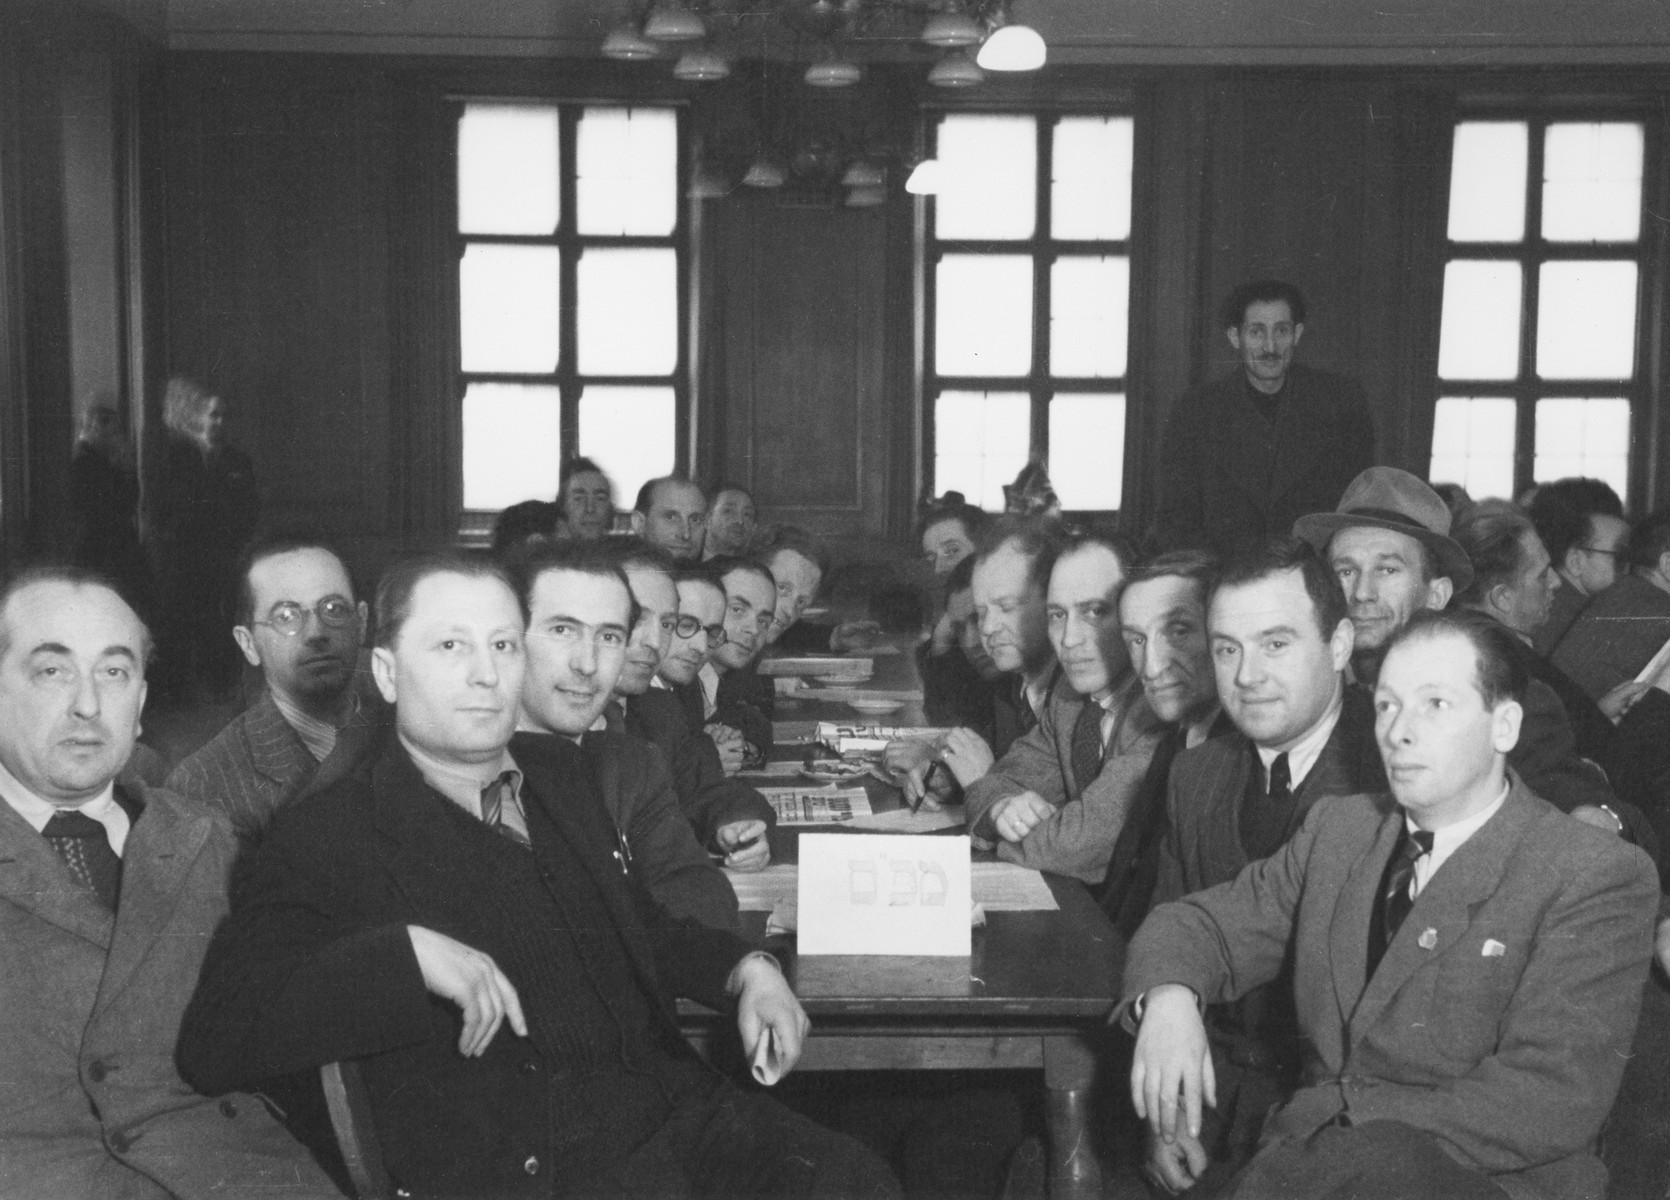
[(1394, 891), (1087, 744), (494, 798), (614, 717), (84, 845), (1281, 778), (1024, 713)]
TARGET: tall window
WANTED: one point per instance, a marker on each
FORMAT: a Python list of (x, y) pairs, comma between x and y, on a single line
[(570, 285), (1029, 270), (1538, 359)]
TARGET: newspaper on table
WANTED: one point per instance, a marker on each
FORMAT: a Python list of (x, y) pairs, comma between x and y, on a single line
[(870, 739), (817, 806)]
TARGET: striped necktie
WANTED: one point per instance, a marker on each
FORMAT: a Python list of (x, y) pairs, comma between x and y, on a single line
[(495, 797)]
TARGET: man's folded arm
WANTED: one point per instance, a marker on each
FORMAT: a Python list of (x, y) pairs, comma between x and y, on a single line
[(1563, 1040), (1078, 838), (286, 985), (1029, 765)]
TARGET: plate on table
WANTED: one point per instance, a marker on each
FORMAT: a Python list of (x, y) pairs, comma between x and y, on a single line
[(834, 770), (876, 706), (844, 681)]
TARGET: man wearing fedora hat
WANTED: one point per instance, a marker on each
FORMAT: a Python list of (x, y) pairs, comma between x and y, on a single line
[(1389, 543)]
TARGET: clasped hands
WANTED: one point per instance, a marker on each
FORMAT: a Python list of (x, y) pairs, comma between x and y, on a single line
[(765, 1004), (910, 762), (1171, 1078)]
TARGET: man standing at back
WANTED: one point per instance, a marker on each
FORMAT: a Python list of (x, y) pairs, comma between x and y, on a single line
[(1581, 524), (468, 926), (317, 718), (1247, 453), (108, 896), (1280, 641)]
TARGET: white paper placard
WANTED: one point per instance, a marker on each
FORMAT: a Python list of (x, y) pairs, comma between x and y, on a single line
[(874, 893)]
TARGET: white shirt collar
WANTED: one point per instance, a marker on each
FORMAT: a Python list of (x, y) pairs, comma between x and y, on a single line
[(1449, 839), (459, 784), (318, 736), (38, 811), (1302, 757)]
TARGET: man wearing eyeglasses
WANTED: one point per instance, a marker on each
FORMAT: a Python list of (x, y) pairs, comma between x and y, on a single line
[(318, 717)]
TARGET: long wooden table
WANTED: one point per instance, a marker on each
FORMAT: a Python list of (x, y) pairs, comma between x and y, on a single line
[(1034, 995)]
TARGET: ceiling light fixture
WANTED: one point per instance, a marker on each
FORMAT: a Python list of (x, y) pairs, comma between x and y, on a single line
[(627, 44), (701, 65), (1013, 48), (926, 179), (956, 70), (671, 21)]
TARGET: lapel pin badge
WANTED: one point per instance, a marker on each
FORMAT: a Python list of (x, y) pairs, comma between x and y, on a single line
[(1428, 939), (1493, 949)]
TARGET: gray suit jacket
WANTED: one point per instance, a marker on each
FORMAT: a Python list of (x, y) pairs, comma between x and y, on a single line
[(258, 763), (1499, 1020), (90, 1006), (1078, 839)]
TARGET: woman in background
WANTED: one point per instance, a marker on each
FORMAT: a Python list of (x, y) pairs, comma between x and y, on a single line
[(204, 507)]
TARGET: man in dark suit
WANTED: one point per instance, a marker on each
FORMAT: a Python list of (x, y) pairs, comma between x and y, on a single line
[(566, 687), (1059, 798), (1581, 524), (1467, 961), (1280, 642), (1623, 627), (108, 895), (727, 816), (478, 938), (1162, 619), (318, 717), (1246, 454), (738, 703)]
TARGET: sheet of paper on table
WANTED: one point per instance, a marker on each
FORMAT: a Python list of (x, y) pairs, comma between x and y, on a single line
[(883, 894), (993, 886), (817, 805), (859, 739)]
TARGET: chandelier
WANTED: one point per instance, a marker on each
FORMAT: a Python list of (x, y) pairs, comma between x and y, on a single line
[(965, 38)]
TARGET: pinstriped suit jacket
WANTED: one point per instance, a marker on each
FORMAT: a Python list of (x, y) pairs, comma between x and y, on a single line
[(258, 764)]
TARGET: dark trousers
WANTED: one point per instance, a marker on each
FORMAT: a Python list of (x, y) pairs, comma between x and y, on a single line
[(734, 1143), (1379, 1160)]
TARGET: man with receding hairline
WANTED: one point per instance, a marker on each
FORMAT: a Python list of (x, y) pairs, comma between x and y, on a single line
[(671, 513), (470, 926), (108, 894)]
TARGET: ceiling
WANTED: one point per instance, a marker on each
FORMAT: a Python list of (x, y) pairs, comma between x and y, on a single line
[(1176, 32)]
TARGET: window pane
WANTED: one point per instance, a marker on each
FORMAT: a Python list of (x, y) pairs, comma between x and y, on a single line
[(626, 171), (507, 169), (1479, 334), (1090, 193), (627, 321), (512, 444), (507, 308), (1089, 321), (630, 432), (1583, 437), (1586, 320), (1591, 188), (1087, 450), (1473, 444), (983, 315), (981, 442), (989, 177), (1487, 181)]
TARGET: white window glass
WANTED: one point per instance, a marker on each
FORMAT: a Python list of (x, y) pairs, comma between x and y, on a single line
[(626, 171), (507, 308), (1478, 336), (1090, 185), (989, 177), (1473, 444), (512, 444), (627, 319), (1089, 316), (983, 315), (1487, 181), (1583, 437), (1586, 320), (1591, 188), (629, 432), (1087, 450), (507, 169), (980, 443)]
